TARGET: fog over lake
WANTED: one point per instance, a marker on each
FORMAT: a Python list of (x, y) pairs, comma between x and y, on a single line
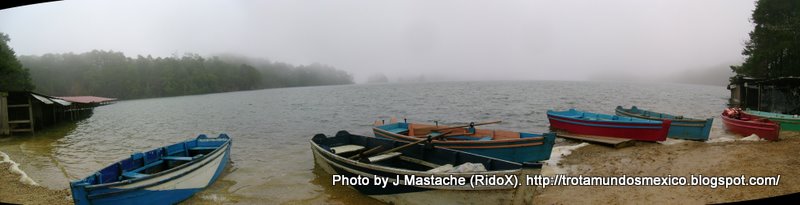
[(440, 40)]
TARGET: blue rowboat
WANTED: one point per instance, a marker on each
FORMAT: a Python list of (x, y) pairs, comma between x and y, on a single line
[(165, 175), (587, 123), (681, 128), (512, 146), (337, 155)]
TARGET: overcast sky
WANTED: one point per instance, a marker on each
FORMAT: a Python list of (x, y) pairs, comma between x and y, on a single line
[(464, 40)]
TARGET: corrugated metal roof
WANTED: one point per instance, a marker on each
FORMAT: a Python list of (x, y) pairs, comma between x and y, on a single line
[(68, 100), (60, 101), (87, 99), (45, 100)]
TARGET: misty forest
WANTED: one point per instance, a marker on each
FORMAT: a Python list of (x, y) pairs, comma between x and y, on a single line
[(771, 51), (112, 74), (108, 73)]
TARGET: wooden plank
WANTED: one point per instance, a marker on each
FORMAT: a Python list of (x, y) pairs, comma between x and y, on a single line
[(5, 128), (422, 129), (19, 105), (609, 141), (19, 122), (383, 157), (133, 175), (418, 161), (30, 114), (174, 158), (148, 166), (346, 148), (21, 130), (202, 148)]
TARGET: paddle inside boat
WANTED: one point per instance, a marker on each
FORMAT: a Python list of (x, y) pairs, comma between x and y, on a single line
[(744, 124), (519, 147), (680, 128), (410, 167), (587, 123), (165, 175)]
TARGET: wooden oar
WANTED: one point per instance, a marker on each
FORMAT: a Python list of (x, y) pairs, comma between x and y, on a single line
[(467, 125), (370, 151), (405, 146)]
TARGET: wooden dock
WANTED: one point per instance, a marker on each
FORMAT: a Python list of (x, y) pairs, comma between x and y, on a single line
[(25, 111), (608, 141)]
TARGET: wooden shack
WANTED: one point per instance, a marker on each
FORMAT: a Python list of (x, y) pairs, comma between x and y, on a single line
[(778, 95), (24, 111)]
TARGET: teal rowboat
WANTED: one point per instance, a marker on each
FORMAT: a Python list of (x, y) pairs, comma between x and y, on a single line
[(787, 122), (681, 127)]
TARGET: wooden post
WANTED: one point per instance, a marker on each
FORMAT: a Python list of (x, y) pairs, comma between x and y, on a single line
[(30, 113), (758, 104), (55, 105), (4, 127), (743, 97)]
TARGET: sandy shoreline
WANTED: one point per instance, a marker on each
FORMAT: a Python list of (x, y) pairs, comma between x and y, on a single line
[(750, 158), (734, 158), (14, 191)]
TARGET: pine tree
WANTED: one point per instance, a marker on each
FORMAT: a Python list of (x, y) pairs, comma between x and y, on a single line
[(774, 46), (13, 77)]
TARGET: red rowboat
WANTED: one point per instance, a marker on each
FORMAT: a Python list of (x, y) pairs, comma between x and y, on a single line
[(580, 122), (744, 124)]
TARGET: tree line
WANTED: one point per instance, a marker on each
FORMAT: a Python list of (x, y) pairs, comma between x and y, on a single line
[(13, 77), (112, 74), (774, 46)]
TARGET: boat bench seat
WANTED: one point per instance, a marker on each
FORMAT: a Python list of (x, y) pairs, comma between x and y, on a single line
[(398, 130), (383, 157), (133, 175), (156, 163), (486, 138), (346, 148), (203, 148), (175, 158)]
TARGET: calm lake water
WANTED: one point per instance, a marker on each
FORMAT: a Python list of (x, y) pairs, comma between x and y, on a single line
[(272, 162)]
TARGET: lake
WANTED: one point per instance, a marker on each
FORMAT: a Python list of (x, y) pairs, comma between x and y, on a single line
[(270, 128)]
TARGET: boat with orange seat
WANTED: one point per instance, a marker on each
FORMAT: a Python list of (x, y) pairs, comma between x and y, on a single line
[(513, 146)]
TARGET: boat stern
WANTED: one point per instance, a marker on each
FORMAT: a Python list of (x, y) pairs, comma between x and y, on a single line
[(707, 128), (547, 147), (662, 136)]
